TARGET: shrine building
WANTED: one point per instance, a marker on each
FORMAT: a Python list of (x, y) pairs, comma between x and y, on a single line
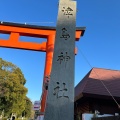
[(98, 91)]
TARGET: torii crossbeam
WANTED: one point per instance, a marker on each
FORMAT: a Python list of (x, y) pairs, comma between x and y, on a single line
[(16, 30)]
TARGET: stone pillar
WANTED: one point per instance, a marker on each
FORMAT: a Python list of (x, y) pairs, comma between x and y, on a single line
[(60, 98)]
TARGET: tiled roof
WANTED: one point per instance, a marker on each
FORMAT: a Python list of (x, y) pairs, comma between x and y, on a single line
[(92, 83)]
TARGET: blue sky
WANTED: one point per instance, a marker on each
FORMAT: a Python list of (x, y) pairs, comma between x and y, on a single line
[(99, 45)]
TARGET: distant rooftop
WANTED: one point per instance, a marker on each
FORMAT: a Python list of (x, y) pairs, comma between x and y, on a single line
[(91, 84)]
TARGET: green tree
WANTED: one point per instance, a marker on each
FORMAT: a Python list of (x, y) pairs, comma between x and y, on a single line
[(28, 108), (12, 89)]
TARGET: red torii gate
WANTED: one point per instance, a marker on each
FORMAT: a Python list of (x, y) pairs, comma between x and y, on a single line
[(16, 30)]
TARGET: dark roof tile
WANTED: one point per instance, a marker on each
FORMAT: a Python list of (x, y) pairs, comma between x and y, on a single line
[(94, 81)]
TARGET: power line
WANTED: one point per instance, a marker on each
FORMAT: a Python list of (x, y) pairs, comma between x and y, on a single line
[(99, 78)]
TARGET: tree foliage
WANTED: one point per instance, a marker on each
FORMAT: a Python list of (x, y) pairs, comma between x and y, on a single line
[(12, 89), (28, 108)]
